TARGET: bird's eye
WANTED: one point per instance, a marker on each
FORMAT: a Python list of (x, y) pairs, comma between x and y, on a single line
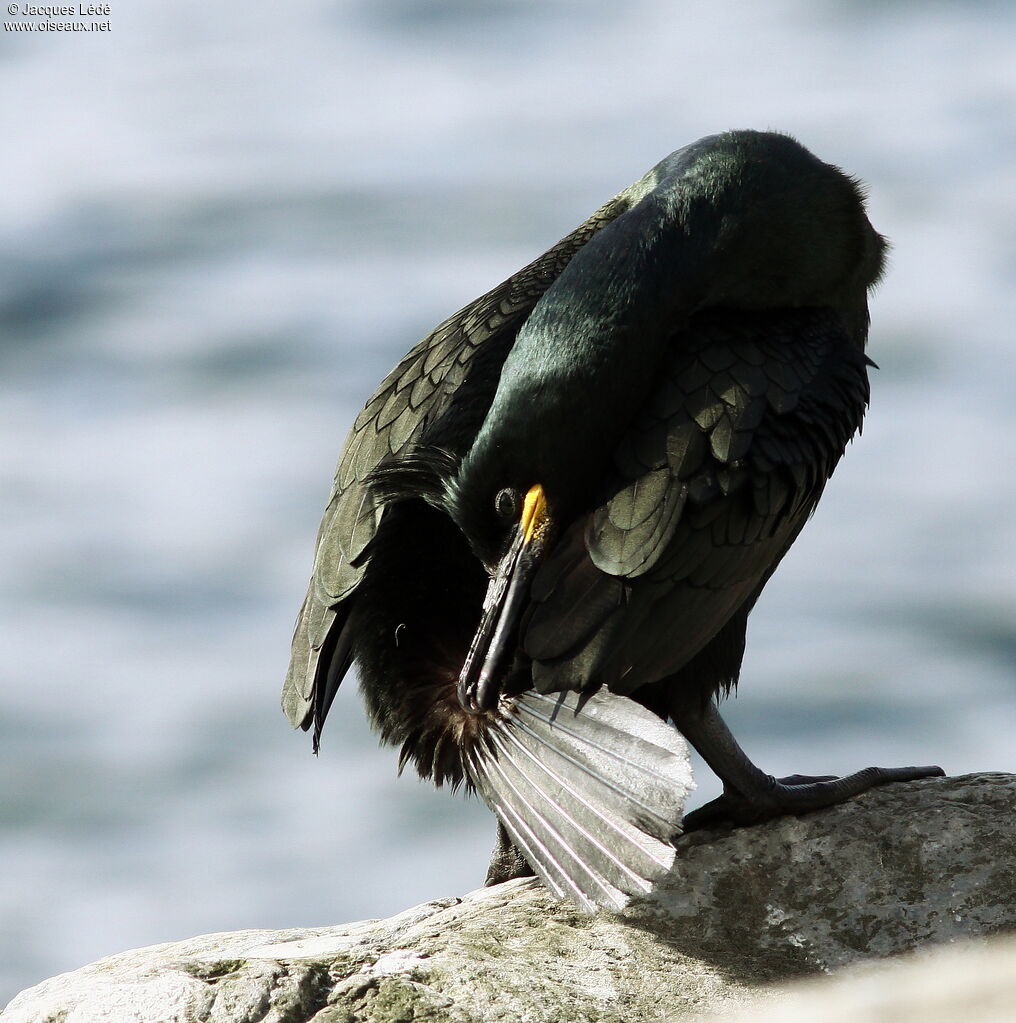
[(506, 504)]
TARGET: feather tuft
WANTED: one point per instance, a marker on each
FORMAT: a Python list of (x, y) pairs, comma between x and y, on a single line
[(420, 472)]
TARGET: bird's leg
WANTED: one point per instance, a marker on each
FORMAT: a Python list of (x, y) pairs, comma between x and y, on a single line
[(506, 862), (749, 795)]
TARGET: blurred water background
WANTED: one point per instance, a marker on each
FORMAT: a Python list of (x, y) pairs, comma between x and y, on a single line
[(221, 224)]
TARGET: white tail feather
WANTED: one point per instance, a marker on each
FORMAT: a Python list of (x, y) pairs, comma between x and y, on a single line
[(590, 788)]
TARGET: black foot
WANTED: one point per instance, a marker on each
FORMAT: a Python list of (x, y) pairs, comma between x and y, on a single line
[(795, 794), (506, 862)]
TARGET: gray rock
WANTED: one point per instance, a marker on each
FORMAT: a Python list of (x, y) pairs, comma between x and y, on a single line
[(897, 869), (973, 982)]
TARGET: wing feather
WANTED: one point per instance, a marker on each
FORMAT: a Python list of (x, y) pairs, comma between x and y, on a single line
[(713, 484), (455, 366)]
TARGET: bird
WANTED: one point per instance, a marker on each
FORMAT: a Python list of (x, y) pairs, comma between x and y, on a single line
[(551, 521)]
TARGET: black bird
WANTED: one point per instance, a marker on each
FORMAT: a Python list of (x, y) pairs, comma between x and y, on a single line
[(552, 519)]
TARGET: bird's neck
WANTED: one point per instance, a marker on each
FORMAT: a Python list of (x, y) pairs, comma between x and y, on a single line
[(578, 373)]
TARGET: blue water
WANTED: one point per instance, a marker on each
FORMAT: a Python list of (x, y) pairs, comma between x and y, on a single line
[(220, 224)]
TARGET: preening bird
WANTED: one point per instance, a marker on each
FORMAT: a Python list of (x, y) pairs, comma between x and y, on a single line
[(552, 519)]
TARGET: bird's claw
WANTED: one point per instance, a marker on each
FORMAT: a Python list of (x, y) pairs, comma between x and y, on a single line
[(467, 697), (478, 695)]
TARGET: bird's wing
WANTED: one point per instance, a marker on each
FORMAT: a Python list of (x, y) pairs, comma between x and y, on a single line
[(713, 483), (411, 402)]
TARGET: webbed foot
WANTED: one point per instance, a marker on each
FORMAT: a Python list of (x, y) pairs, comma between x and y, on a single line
[(798, 793)]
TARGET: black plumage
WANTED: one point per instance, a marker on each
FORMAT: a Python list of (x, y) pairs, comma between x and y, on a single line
[(581, 482)]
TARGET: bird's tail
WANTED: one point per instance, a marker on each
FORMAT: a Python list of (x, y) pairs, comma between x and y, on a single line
[(590, 788)]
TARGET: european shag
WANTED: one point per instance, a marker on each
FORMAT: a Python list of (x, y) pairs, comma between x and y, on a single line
[(552, 519)]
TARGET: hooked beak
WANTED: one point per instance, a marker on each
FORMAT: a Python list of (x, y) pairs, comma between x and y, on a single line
[(493, 646)]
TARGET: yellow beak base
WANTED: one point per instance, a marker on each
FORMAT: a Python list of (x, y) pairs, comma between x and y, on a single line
[(534, 513)]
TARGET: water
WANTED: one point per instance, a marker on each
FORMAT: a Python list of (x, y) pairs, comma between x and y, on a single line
[(221, 224)]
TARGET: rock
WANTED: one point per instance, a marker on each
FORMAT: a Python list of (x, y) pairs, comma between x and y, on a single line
[(974, 982), (895, 870)]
